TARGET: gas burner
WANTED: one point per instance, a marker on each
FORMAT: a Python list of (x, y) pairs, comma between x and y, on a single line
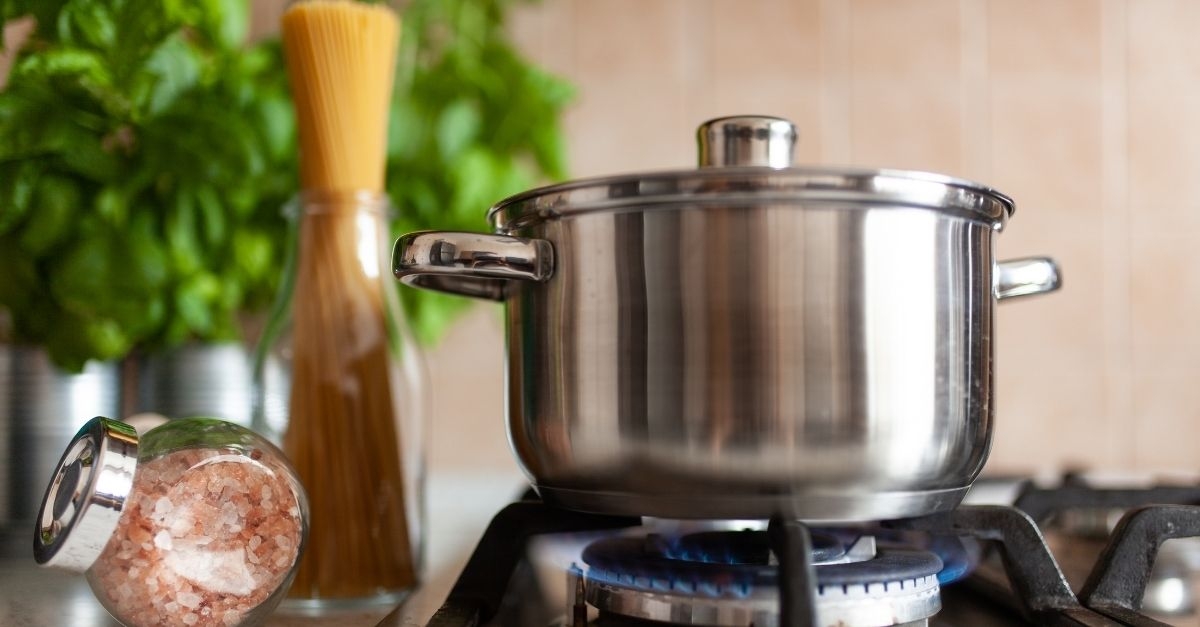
[(1018, 583), (731, 578)]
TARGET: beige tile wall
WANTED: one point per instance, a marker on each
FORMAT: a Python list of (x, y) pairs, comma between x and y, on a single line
[(1085, 111)]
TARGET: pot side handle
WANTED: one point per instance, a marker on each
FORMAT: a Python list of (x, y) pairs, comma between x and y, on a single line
[(1026, 277), (479, 265)]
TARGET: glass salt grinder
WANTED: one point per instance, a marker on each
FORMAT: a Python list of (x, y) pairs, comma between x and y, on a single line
[(196, 522)]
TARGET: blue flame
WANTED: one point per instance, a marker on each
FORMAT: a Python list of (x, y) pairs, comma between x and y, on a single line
[(713, 585), (676, 550), (959, 557)]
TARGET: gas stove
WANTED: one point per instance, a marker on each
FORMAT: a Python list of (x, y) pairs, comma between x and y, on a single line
[(1070, 554)]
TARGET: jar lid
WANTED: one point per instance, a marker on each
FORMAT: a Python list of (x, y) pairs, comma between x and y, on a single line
[(86, 495), (747, 161)]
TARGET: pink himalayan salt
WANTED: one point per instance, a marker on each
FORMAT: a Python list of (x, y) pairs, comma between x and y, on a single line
[(207, 536)]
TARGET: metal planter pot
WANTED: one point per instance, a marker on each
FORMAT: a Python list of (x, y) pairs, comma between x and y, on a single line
[(747, 338), (41, 408), (195, 380)]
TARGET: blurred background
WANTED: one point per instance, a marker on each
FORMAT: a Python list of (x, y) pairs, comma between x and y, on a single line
[(1086, 112)]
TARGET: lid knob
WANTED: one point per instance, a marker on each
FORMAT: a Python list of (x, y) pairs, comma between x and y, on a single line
[(760, 140), (86, 495)]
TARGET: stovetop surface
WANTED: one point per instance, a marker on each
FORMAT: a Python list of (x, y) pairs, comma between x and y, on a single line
[(1022, 576)]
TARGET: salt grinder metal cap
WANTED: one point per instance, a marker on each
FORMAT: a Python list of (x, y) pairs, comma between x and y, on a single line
[(86, 495)]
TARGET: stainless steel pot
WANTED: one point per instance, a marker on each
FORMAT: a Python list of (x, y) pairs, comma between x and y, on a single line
[(747, 338)]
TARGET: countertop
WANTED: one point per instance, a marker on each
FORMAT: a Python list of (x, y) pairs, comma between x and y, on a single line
[(460, 506)]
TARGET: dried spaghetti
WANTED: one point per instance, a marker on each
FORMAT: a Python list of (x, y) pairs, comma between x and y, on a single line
[(342, 432)]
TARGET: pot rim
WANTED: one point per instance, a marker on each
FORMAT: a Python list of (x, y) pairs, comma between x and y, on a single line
[(754, 185)]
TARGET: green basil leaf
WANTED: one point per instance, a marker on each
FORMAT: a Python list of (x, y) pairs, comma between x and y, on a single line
[(20, 278), (175, 69), (457, 127), (106, 338), (252, 250), (146, 268), (18, 179), (181, 234), (278, 122), (228, 21), (85, 153), (194, 300), (112, 205), (88, 23), (212, 213), (51, 215), (83, 275), (64, 62)]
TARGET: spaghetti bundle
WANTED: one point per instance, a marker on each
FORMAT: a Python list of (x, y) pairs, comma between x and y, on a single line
[(342, 432), (341, 58)]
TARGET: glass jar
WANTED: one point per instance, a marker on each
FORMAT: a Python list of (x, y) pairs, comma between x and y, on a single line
[(196, 522), (349, 410)]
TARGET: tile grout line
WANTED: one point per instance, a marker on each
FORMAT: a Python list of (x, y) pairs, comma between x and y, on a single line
[(1120, 401), (836, 140), (974, 90), (698, 43)]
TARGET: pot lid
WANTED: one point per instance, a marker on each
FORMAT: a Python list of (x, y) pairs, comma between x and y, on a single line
[(745, 161)]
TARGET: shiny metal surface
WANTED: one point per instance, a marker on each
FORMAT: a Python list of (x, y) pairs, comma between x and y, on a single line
[(746, 140), (740, 342), (865, 605), (827, 361), (744, 161), (748, 186), (197, 380), (471, 264), (41, 409), (1172, 595), (1026, 277), (1171, 589), (85, 498)]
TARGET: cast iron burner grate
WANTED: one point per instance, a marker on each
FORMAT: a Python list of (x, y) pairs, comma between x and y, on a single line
[(1038, 588)]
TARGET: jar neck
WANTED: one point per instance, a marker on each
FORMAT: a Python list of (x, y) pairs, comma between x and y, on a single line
[(318, 202)]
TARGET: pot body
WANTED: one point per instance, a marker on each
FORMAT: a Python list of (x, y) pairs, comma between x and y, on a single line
[(826, 361), (745, 339)]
